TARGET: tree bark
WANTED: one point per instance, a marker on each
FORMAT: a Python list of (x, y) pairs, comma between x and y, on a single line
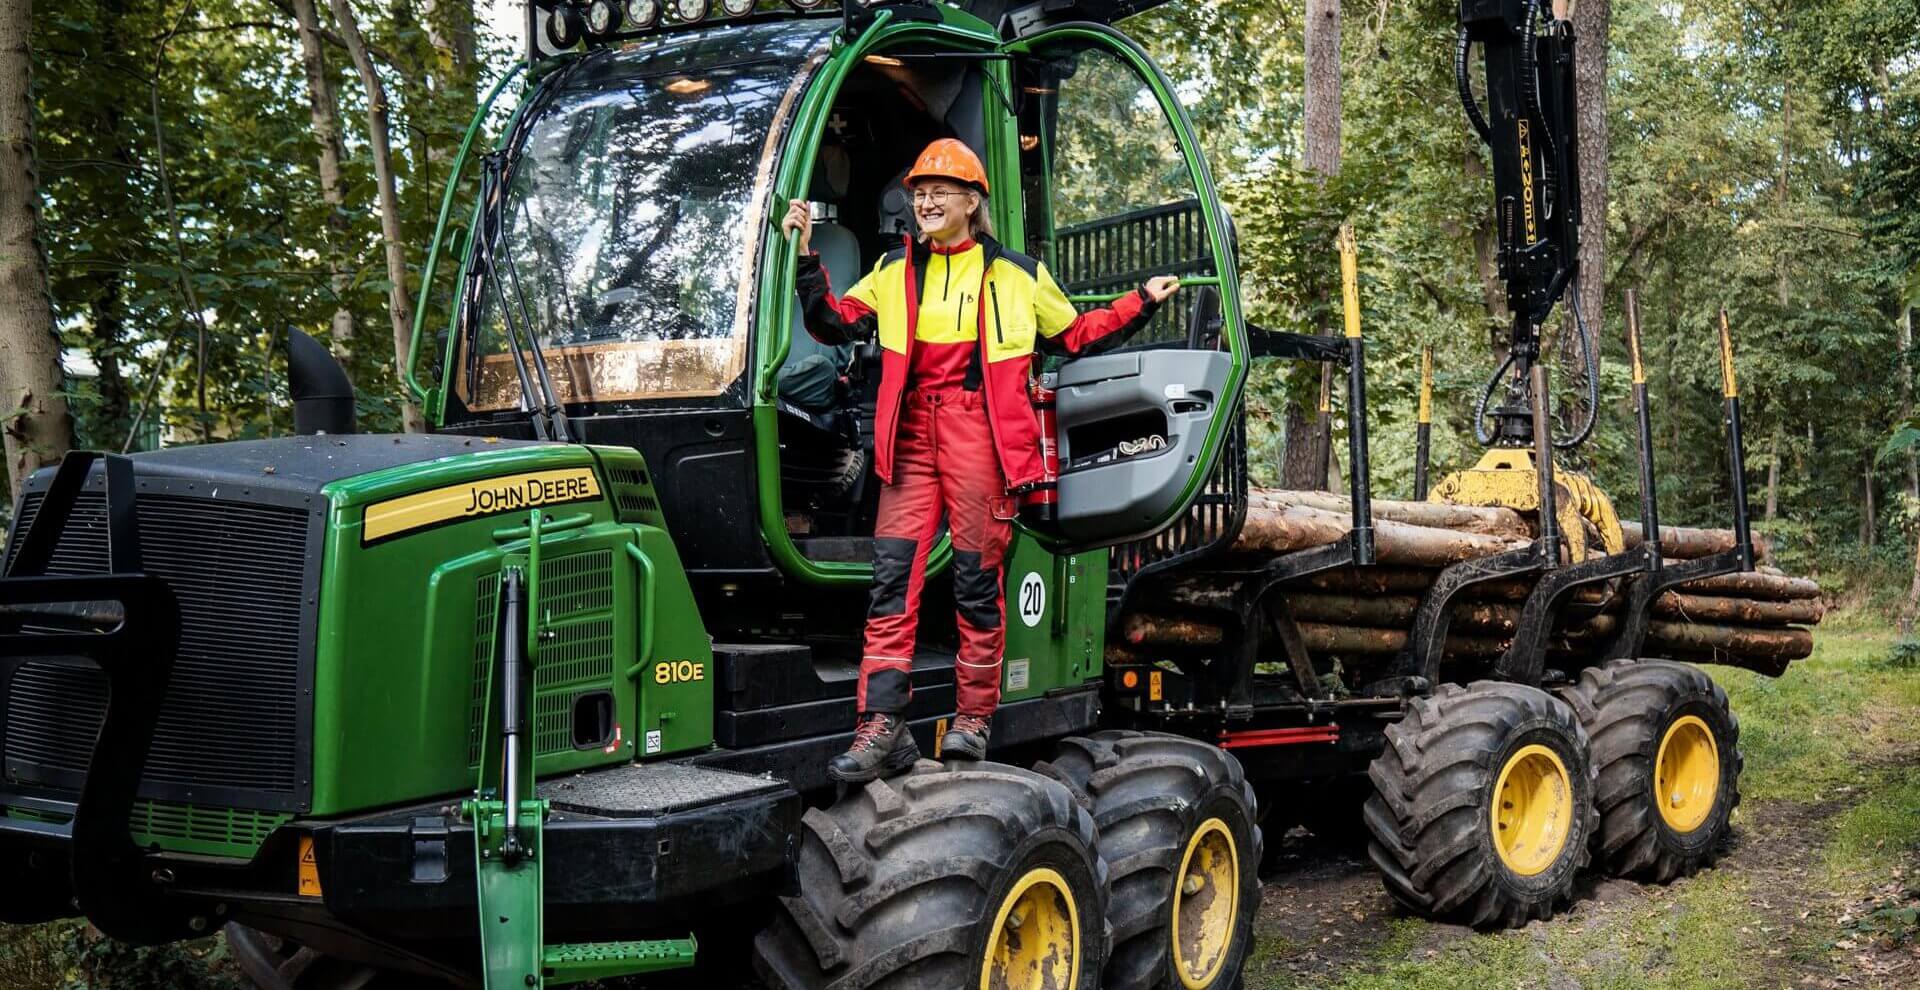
[(1486, 521), (1766, 587), (1773, 475), (1687, 543), (1307, 468), (34, 420), (398, 305), (323, 107), (1911, 609), (1738, 611), (1322, 150), (1486, 262), (1869, 530), (1591, 23), (1781, 281), (1906, 394), (1271, 530), (1297, 469)]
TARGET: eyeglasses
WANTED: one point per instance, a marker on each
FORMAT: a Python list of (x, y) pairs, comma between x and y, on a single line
[(937, 197)]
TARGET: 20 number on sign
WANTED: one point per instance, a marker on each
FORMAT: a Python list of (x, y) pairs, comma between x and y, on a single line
[(1032, 599)]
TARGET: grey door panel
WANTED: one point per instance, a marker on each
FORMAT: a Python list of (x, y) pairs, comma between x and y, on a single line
[(1116, 478)]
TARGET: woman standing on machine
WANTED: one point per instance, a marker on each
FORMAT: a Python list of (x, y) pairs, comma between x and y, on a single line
[(958, 317)]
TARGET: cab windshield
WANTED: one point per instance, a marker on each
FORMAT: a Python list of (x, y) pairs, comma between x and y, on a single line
[(634, 205)]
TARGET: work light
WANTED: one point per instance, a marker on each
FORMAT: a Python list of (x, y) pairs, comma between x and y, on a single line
[(736, 8), (564, 27), (690, 11), (603, 17), (643, 14), (806, 4)]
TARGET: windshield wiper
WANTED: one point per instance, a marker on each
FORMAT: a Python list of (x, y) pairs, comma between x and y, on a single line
[(549, 417)]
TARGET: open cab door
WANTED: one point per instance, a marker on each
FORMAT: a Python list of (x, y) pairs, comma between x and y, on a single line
[(1117, 191)]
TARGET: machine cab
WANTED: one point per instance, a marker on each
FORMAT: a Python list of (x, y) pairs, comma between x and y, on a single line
[(633, 274)]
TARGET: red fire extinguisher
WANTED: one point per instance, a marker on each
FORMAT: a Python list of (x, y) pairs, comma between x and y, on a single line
[(1040, 501)]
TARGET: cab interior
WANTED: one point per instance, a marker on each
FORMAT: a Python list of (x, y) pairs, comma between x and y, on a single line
[(890, 108)]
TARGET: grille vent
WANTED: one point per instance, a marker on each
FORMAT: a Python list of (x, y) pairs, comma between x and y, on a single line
[(214, 829), (230, 718), (576, 659)]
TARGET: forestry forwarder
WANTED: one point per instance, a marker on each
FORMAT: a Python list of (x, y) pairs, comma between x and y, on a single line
[(540, 710)]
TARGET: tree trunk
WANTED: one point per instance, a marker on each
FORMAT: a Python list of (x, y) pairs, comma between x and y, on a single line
[(398, 305), (1322, 151), (1308, 447), (1906, 394), (1271, 529), (1487, 521), (1912, 607), (1869, 532), (1781, 281), (1591, 20), (34, 422), (1297, 469), (1486, 261), (1773, 475), (1738, 611), (323, 107)]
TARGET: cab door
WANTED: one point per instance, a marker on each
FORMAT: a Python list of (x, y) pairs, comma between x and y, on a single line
[(1116, 191)]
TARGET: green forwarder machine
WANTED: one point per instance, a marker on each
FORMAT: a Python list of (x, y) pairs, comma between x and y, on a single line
[(547, 696)]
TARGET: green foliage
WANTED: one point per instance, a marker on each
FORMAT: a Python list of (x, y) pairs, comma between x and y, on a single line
[(206, 104), (1760, 159), (68, 955), (1905, 655), (1763, 159)]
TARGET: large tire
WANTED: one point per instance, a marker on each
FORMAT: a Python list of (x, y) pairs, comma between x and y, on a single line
[(275, 963), (1169, 808), (1450, 848), (927, 879), (1666, 752)]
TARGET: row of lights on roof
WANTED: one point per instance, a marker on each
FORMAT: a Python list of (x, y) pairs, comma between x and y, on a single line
[(602, 18)]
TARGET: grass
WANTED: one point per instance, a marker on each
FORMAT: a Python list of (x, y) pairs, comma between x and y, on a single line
[(1840, 733)]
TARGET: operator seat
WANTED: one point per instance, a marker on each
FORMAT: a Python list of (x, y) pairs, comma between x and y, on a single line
[(810, 378)]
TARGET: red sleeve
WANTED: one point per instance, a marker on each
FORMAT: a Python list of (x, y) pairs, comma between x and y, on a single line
[(1123, 316), (830, 319)]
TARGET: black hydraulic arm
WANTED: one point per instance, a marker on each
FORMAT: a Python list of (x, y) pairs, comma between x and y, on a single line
[(1528, 125)]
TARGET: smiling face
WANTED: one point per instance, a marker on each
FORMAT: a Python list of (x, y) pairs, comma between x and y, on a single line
[(943, 209)]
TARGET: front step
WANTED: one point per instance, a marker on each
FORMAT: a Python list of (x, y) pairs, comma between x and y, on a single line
[(579, 962)]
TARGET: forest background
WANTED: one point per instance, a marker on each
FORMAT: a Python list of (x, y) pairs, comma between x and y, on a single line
[(201, 175)]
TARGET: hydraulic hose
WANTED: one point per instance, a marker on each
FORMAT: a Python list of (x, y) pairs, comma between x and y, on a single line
[(1480, 431), (1462, 46), (1592, 367)]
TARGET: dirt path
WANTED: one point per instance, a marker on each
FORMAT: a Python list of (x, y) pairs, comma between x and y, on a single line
[(1326, 921)]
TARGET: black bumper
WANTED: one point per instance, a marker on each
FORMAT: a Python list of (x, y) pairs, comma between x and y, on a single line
[(612, 868)]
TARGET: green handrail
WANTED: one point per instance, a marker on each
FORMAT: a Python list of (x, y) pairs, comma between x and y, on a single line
[(645, 652), (420, 304), (1102, 298)]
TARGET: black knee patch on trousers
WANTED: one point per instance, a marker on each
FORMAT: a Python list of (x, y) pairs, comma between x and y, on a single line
[(892, 570), (889, 691), (976, 590)]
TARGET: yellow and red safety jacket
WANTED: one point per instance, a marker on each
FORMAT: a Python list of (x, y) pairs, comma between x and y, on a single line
[(978, 304)]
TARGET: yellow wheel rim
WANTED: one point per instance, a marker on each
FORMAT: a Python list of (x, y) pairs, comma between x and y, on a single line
[(1036, 937), (1532, 810), (1206, 902), (1686, 774)]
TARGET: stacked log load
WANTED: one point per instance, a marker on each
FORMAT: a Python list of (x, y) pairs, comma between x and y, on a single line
[(1361, 616)]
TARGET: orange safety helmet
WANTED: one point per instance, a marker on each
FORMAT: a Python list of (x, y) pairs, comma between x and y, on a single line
[(948, 158)]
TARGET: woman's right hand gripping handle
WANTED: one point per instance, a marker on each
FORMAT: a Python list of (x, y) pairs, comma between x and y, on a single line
[(799, 222)]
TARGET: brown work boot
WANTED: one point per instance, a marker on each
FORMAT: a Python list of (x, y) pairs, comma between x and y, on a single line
[(966, 738), (881, 746)]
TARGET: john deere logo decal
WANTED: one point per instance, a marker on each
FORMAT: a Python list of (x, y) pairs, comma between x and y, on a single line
[(473, 499)]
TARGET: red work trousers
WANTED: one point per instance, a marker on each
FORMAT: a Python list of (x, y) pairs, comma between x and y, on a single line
[(944, 464)]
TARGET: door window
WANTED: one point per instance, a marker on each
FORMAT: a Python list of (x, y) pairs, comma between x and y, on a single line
[(1112, 200)]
